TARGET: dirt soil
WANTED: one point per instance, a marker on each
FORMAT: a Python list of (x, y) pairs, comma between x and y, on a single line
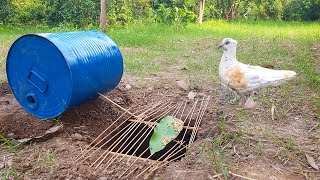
[(252, 154)]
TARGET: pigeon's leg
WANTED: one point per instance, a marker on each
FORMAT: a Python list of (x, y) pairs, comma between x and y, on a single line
[(224, 90), (253, 94), (236, 97), (231, 94), (242, 97)]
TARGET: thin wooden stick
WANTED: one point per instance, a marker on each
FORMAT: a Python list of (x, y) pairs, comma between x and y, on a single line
[(239, 176), (134, 126), (114, 145), (193, 108), (214, 176), (177, 110), (132, 139), (185, 104), (105, 138), (85, 151), (137, 158), (130, 156), (151, 124), (177, 175), (314, 153), (125, 110), (172, 146), (174, 113), (115, 136), (128, 126), (146, 136), (143, 135), (313, 127), (175, 144), (171, 155), (103, 156), (164, 164), (197, 125), (149, 167)]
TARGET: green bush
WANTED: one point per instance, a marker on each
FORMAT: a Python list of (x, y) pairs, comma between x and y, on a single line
[(307, 10), (85, 13), (77, 12), (29, 12), (170, 11), (6, 11)]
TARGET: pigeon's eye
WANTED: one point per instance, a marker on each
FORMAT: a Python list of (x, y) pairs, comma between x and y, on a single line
[(227, 42)]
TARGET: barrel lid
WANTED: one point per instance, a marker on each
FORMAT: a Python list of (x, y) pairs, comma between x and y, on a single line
[(39, 76)]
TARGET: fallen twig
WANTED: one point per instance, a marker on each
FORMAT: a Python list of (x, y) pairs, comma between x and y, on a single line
[(215, 176), (237, 175), (314, 127), (276, 168), (106, 98)]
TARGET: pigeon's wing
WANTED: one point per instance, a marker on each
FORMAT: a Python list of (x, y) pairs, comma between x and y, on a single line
[(254, 76), (241, 77), (271, 74), (247, 78)]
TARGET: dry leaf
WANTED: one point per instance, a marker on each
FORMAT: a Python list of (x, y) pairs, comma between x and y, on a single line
[(53, 129), (49, 131), (250, 103), (312, 162), (24, 140), (183, 85), (273, 109), (192, 95), (128, 86)]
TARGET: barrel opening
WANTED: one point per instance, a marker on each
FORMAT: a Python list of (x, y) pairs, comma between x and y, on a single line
[(32, 101)]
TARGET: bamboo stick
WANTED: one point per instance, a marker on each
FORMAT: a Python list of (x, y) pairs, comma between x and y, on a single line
[(143, 135), (125, 110), (174, 113), (85, 151), (105, 154)]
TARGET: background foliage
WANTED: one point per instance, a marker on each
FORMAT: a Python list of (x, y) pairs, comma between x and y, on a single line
[(83, 13)]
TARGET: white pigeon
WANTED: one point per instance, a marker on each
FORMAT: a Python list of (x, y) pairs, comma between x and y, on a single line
[(246, 78)]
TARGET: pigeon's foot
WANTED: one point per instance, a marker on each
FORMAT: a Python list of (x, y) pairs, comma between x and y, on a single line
[(236, 98), (229, 95)]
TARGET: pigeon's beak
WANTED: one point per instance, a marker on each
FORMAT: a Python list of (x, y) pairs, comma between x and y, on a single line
[(220, 46)]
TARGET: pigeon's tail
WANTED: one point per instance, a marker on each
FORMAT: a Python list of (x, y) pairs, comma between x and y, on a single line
[(289, 75), (282, 76)]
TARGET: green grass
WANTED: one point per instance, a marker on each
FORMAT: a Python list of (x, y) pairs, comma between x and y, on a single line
[(9, 173), (10, 145), (191, 52), (159, 48)]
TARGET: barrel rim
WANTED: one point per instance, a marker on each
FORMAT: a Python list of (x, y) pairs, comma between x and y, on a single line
[(69, 72)]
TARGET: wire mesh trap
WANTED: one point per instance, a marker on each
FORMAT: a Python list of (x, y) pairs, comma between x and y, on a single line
[(125, 143)]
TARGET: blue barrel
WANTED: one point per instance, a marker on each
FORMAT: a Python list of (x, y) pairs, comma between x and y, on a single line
[(52, 72)]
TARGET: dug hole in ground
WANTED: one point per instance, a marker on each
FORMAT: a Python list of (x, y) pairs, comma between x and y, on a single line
[(232, 142)]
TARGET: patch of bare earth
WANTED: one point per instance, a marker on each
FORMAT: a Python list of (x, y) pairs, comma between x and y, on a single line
[(253, 143), (52, 158)]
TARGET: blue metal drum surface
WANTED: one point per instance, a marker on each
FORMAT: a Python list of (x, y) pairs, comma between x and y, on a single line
[(52, 72)]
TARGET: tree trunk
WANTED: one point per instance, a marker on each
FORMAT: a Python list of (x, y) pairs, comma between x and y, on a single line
[(103, 15), (201, 10)]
